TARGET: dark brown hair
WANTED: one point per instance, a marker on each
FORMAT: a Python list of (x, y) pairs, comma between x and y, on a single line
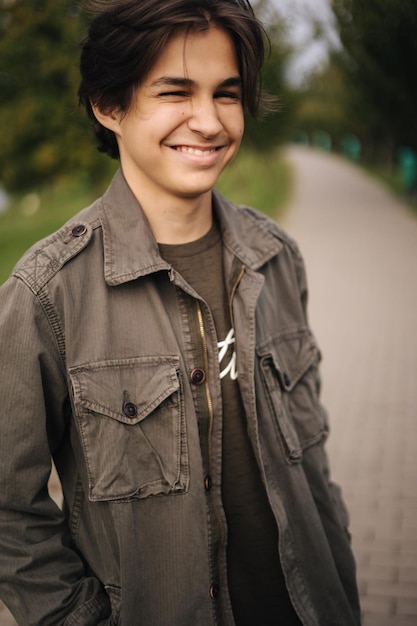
[(126, 37)]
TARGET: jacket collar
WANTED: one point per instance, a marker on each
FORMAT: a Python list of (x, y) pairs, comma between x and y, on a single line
[(130, 250)]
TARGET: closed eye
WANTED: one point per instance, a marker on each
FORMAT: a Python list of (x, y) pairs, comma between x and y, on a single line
[(228, 95), (174, 94)]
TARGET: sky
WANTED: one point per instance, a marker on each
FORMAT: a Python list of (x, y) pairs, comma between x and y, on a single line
[(301, 17)]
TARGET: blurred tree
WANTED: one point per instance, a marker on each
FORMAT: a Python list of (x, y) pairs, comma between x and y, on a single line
[(379, 61), (44, 133), (322, 103), (274, 129)]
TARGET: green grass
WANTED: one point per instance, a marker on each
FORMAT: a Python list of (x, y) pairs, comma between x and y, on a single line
[(23, 223), (261, 181)]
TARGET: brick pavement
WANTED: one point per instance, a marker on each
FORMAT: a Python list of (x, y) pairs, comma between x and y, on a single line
[(360, 246)]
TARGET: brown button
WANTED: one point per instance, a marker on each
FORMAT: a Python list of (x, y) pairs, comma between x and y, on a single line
[(207, 483), (79, 231), (130, 410), (214, 590), (198, 376)]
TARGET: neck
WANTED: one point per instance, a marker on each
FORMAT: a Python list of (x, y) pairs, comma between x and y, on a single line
[(175, 220), (180, 224)]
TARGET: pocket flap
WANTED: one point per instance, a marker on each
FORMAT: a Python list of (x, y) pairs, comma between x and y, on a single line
[(127, 390), (293, 353)]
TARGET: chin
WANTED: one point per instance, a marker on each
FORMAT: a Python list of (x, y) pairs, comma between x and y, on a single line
[(197, 193), (198, 190)]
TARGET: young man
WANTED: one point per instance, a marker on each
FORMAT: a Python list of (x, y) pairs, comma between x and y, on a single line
[(157, 349)]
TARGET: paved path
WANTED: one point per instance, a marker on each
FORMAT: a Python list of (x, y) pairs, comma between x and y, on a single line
[(360, 246)]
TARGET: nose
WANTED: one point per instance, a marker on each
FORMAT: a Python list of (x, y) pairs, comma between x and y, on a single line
[(204, 118)]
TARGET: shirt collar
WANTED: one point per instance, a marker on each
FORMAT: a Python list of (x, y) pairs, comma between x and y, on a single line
[(130, 249)]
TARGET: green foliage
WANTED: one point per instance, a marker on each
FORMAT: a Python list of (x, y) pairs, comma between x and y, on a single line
[(44, 134), (379, 62), (322, 103)]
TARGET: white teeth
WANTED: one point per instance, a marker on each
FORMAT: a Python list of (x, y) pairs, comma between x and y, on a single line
[(196, 151)]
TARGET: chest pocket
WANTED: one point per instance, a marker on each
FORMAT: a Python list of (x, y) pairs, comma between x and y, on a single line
[(130, 418), (289, 371)]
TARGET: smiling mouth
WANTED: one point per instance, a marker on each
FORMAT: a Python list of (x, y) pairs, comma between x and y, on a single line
[(196, 151)]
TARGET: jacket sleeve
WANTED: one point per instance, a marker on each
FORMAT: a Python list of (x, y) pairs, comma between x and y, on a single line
[(42, 578)]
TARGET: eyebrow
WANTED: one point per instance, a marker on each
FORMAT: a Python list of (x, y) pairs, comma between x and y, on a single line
[(182, 81)]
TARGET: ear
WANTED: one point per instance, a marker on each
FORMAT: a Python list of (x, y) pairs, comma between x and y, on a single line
[(108, 119)]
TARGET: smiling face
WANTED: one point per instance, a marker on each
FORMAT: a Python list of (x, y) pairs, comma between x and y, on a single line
[(185, 123)]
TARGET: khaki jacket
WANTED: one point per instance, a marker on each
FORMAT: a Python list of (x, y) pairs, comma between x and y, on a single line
[(99, 336)]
